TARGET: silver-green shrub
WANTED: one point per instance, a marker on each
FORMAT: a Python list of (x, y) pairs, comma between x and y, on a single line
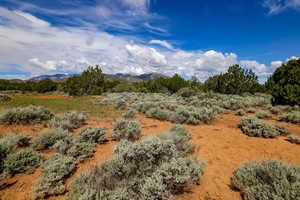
[(47, 140), (251, 110), (92, 135), (240, 112), (254, 127), (263, 114), (126, 129), (4, 98), (293, 117), (151, 169), (180, 137), (69, 121), (24, 161), (270, 179), (275, 110), (26, 115), (130, 114), (293, 139), (54, 171)]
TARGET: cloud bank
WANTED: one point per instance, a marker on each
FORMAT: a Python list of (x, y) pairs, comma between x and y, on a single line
[(32, 46)]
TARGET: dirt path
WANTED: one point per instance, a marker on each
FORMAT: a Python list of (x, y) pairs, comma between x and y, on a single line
[(221, 145)]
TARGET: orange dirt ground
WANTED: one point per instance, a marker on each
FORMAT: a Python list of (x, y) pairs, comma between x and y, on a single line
[(220, 144)]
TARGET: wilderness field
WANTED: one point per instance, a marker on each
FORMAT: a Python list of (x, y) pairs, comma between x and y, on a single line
[(149, 146)]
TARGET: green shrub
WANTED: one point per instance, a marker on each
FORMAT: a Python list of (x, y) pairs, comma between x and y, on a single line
[(293, 117), (126, 129), (54, 171), (9, 143), (240, 112), (186, 92), (235, 81), (266, 180), (69, 121), (22, 161), (263, 114), (284, 84), (48, 139), (275, 110), (92, 135), (254, 127), (180, 137), (26, 115), (130, 114), (4, 98), (158, 113), (293, 139), (251, 110), (121, 104), (150, 169)]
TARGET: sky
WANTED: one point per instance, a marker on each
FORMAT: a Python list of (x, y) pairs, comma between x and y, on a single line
[(192, 38)]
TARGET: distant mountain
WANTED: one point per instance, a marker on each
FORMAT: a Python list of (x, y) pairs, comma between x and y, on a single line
[(54, 77), (111, 77)]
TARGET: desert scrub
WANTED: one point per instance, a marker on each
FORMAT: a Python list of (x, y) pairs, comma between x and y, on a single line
[(275, 110), (126, 129), (186, 92), (293, 117), (22, 161), (270, 179), (26, 115), (92, 135), (69, 121), (250, 110), (4, 98), (240, 112), (130, 114), (10, 143), (54, 171), (121, 104), (158, 113), (254, 127), (47, 140), (293, 139), (151, 169), (263, 114), (180, 137)]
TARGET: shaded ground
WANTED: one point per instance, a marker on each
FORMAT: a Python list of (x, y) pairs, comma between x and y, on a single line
[(221, 145)]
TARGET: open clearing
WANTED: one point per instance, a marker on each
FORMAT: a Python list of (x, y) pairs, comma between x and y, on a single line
[(220, 144)]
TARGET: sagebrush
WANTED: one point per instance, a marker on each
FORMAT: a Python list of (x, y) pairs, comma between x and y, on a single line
[(270, 179)]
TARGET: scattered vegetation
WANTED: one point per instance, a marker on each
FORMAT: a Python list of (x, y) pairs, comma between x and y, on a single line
[(240, 112), (22, 161), (254, 127), (81, 147), (26, 115), (198, 109), (10, 143), (269, 179), (293, 117), (47, 140), (4, 98), (293, 139), (130, 114), (69, 121), (126, 129), (92, 135), (263, 114), (150, 169), (54, 171)]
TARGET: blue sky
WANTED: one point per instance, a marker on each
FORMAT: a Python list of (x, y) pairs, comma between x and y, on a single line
[(192, 37)]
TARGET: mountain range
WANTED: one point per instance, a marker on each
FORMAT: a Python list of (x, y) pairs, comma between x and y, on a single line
[(110, 77)]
